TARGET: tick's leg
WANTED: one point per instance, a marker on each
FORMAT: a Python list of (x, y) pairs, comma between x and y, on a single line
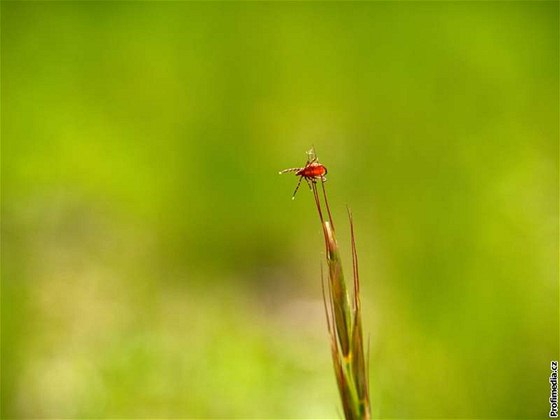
[(311, 156), (297, 187), (290, 170), (323, 178), (309, 181)]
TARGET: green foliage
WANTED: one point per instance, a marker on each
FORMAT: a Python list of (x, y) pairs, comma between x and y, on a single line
[(151, 268)]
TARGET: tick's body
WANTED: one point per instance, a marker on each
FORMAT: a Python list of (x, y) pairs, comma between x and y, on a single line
[(312, 172)]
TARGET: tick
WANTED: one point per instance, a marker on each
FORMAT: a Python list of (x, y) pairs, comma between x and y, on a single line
[(312, 172)]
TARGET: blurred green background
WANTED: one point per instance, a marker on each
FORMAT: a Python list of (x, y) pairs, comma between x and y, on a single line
[(153, 264)]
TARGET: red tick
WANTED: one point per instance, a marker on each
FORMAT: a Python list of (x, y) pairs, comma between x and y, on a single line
[(312, 172)]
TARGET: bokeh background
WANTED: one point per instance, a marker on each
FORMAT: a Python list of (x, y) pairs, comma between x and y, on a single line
[(154, 265)]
